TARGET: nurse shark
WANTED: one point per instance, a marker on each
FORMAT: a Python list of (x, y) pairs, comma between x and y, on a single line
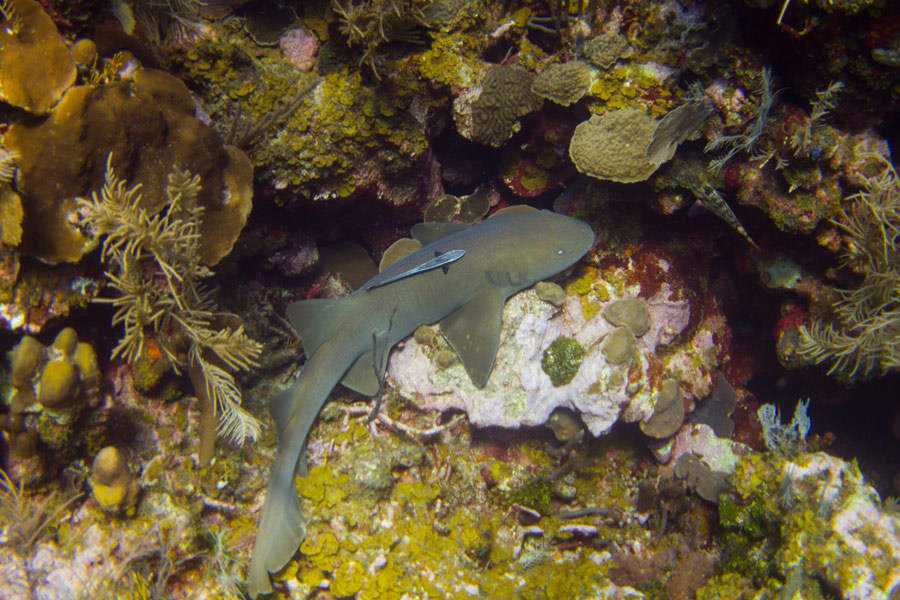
[(460, 278)]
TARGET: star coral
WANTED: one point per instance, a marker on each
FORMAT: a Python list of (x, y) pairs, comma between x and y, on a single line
[(614, 146), (562, 359)]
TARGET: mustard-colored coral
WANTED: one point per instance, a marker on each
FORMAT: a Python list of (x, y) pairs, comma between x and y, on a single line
[(25, 359), (605, 49), (112, 484), (564, 83), (450, 60), (35, 65), (58, 386), (614, 146), (149, 121), (11, 215)]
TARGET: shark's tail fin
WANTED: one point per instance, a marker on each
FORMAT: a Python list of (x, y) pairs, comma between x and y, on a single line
[(282, 528), (282, 525)]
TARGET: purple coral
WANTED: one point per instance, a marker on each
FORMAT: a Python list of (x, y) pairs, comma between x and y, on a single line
[(300, 48)]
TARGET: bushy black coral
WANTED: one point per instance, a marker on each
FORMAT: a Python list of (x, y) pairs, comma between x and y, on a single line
[(864, 339), (154, 265), (369, 23)]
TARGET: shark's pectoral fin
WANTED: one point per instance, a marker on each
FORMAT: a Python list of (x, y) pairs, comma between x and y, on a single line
[(505, 278), (367, 373), (473, 331), (432, 232), (362, 377)]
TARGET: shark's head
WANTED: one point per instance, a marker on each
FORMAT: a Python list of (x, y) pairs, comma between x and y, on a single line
[(550, 243)]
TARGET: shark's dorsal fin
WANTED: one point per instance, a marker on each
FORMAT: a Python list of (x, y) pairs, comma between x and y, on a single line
[(427, 233), (350, 261), (473, 331), (315, 321), (397, 252)]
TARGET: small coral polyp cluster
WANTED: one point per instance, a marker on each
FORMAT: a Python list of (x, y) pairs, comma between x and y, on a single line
[(55, 388)]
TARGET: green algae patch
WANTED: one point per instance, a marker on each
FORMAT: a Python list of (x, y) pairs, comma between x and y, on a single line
[(535, 494), (562, 360)]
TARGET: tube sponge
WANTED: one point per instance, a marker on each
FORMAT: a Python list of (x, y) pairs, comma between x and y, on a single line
[(65, 341), (85, 358)]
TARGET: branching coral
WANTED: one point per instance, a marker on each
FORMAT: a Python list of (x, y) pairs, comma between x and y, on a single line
[(26, 519), (865, 337), (12, 18), (7, 165), (372, 23), (824, 103), (154, 260), (746, 141)]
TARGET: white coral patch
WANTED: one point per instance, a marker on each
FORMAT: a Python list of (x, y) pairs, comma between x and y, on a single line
[(519, 392)]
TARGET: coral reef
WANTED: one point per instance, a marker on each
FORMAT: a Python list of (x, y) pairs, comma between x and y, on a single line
[(144, 122), (505, 95), (35, 65), (146, 128), (112, 485), (564, 83), (55, 391), (614, 146)]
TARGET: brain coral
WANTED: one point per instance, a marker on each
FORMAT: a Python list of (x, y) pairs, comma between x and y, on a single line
[(614, 146), (505, 96), (564, 83), (606, 49)]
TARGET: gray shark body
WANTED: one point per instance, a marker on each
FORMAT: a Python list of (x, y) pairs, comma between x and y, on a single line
[(348, 339)]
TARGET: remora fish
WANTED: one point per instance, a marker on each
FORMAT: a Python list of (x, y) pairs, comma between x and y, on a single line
[(440, 261), (502, 255)]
